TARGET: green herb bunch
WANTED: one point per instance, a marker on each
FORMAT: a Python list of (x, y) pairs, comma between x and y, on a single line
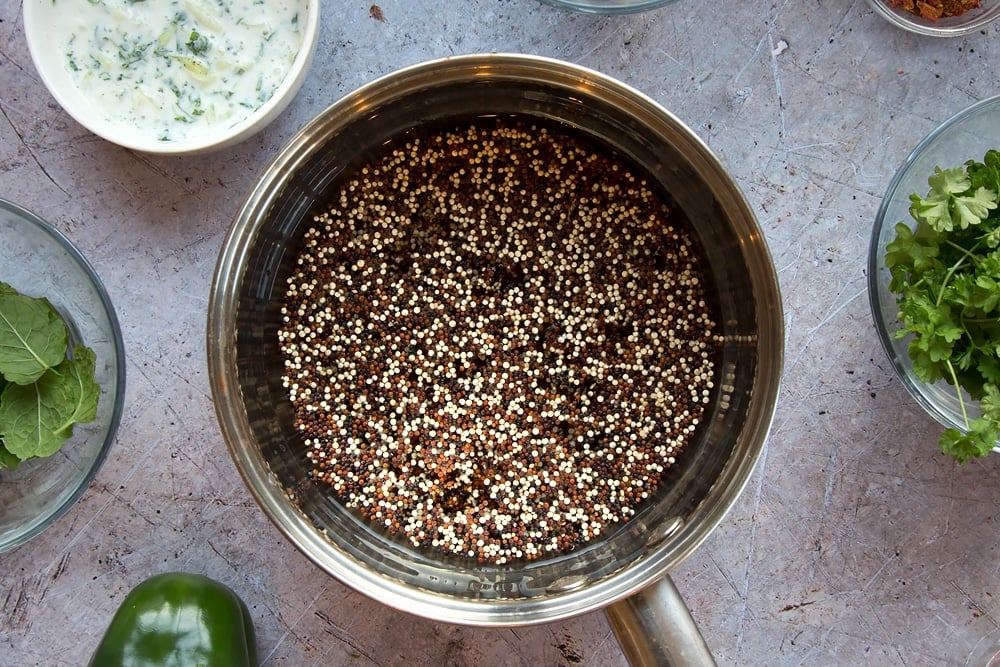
[(946, 276), (45, 387)]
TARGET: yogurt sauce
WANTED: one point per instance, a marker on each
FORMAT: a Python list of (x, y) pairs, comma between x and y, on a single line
[(179, 68)]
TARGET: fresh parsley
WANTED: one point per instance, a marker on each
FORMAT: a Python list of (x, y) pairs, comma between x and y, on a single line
[(197, 43), (46, 387), (945, 272)]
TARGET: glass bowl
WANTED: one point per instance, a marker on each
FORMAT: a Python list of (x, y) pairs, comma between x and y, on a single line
[(38, 261), (953, 26), (966, 135), (80, 80), (608, 6)]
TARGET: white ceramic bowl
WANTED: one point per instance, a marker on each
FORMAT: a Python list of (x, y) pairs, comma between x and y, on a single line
[(966, 135), (970, 21), (192, 51)]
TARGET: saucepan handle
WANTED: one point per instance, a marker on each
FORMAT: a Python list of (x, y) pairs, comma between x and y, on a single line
[(655, 629)]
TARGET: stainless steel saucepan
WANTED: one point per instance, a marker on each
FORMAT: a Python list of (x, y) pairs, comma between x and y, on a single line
[(625, 571)]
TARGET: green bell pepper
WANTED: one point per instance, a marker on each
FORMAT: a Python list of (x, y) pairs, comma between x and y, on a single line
[(179, 620)]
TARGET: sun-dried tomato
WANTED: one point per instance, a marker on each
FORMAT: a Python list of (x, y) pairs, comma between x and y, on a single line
[(935, 9)]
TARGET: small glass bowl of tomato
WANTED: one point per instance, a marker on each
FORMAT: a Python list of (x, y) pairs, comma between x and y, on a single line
[(938, 18)]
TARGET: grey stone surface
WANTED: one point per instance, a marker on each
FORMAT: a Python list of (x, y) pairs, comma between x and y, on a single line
[(856, 541)]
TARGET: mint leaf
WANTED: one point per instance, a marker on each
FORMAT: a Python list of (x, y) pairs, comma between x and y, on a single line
[(7, 460), (38, 418), (33, 337), (44, 388), (81, 390)]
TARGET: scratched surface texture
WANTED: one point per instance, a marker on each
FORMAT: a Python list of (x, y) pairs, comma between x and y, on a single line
[(855, 542)]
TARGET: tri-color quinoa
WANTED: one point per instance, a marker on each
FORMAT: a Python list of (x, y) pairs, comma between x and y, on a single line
[(496, 340)]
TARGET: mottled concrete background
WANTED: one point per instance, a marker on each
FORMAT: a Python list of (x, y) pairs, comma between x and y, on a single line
[(855, 542)]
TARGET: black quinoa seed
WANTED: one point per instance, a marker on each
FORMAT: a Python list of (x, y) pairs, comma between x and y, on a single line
[(496, 339)]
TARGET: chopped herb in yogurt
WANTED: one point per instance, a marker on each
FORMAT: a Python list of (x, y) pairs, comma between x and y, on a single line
[(179, 68)]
